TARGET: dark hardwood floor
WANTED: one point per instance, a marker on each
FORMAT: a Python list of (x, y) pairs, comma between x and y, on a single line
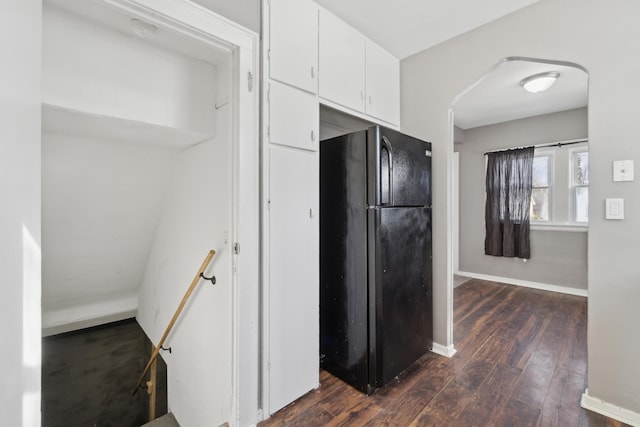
[(521, 361), (88, 375)]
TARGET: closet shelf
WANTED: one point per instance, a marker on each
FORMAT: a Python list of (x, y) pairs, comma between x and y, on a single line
[(58, 119)]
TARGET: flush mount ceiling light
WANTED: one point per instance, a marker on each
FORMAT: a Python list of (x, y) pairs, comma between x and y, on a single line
[(142, 29), (539, 82)]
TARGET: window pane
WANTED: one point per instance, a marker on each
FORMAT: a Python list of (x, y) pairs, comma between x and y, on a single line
[(582, 204), (539, 204), (581, 168), (540, 171)]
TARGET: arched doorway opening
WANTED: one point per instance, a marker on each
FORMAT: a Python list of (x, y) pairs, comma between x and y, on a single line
[(496, 113)]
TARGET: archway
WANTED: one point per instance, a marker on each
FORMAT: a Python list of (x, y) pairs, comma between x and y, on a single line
[(495, 113)]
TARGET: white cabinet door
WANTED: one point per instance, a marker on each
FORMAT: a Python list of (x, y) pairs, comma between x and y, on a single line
[(293, 43), (293, 274), (383, 84), (294, 117), (341, 62)]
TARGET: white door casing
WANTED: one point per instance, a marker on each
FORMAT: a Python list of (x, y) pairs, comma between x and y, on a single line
[(191, 20)]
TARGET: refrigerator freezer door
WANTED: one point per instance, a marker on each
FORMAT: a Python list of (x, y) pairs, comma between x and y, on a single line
[(399, 169), (400, 289)]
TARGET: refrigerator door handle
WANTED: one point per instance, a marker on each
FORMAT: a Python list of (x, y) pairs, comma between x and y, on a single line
[(388, 200)]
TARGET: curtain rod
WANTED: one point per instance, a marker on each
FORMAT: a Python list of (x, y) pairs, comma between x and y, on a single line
[(557, 144)]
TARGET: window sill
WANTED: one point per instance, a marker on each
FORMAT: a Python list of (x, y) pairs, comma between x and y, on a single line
[(560, 227)]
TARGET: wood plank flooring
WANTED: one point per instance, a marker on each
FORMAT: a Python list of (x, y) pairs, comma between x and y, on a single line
[(521, 361)]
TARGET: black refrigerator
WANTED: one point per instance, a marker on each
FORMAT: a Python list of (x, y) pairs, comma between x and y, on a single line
[(375, 255)]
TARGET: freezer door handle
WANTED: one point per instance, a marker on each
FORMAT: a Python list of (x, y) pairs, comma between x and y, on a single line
[(386, 172)]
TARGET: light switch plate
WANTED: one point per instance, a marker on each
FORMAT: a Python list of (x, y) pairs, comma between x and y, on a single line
[(614, 209), (622, 170)]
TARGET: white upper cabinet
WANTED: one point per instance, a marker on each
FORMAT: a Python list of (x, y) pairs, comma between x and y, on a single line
[(382, 84), (293, 43), (294, 117), (342, 62), (357, 75)]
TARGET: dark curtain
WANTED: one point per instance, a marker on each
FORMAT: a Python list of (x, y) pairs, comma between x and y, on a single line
[(507, 206)]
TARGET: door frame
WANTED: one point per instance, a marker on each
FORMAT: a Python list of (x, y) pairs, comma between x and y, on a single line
[(455, 216), (197, 22)]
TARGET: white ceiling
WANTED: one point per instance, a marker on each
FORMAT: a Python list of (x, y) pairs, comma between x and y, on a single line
[(406, 27), (498, 97), (244, 12)]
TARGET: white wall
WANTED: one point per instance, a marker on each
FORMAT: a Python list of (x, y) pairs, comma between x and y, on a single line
[(101, 203), (90, 67), (558, 258), (196, 216), (20, 47), (20, 105), (129, 106), (195, 219), (458, 135), (244, 12), (602, 37)]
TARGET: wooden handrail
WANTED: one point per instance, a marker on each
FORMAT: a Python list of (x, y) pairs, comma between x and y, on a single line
[(151, 387), (195, 281)]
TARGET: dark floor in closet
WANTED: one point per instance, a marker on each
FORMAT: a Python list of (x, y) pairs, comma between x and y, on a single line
[(88, 375)]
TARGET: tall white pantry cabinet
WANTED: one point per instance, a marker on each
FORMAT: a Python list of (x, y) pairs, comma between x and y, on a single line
[(290, 202), (301, 70)]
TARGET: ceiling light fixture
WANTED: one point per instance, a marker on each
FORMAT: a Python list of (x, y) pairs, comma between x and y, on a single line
[(539, 82)]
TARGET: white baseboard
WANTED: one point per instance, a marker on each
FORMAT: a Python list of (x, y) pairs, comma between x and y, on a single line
[(443, 350), (88, 315), (612, 411), (526, 283)]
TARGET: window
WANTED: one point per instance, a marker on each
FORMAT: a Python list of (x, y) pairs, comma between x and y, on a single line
[(580, 185), (560, 186), (540, 192)]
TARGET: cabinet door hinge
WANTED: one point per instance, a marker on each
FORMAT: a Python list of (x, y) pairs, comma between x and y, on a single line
[(269, 204), (250, 80), (269, 133), (236, 248)]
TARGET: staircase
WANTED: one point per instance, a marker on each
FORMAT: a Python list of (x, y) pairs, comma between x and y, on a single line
[(167, 420)]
